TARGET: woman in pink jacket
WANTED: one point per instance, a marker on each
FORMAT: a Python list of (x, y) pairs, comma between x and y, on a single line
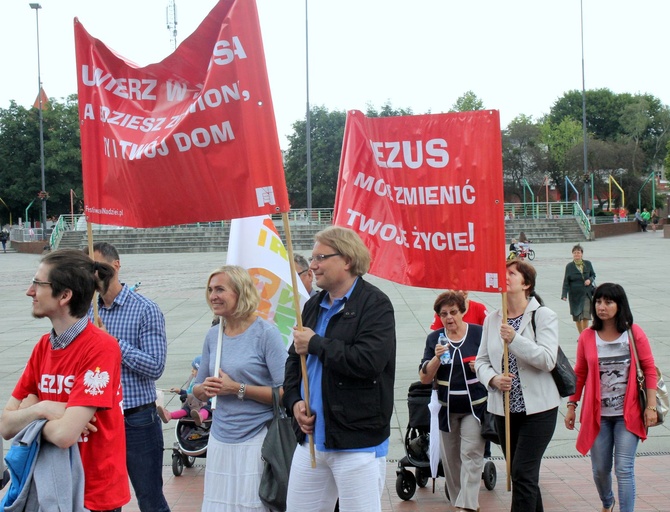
[(612, 422)]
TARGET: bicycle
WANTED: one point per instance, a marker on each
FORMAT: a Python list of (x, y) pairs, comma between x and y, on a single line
[(522, 253)]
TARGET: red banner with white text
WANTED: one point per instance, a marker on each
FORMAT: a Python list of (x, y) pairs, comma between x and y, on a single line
[(189, 139), (425, 193)]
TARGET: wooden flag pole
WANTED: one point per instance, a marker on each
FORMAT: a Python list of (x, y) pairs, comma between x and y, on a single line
[(89, 235), (506, 399), (298, 318)]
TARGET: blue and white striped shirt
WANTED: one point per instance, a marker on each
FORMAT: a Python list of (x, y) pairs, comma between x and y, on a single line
[(139, 325)]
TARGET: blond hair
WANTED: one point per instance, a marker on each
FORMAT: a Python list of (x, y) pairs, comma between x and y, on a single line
[(349, 244), (242, 284)]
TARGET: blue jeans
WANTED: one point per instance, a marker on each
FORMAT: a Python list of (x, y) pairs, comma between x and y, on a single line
[(615, 444), (144, 459)]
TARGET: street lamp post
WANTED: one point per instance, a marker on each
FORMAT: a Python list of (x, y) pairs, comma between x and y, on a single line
[(43, 198), (308, 131), (586, 165)]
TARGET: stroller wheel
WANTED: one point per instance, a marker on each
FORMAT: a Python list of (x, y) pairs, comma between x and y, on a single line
[(177, 464), (422, 476), (189, 461), (490, 475), (405, 485)]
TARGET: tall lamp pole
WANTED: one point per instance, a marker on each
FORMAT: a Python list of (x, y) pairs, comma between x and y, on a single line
[(37, 7), (308, 131), (586, 165)]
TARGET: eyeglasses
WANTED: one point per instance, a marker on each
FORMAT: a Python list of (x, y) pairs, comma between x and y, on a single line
[(35, 282), (445, 314), (301, 273), (320, 257)]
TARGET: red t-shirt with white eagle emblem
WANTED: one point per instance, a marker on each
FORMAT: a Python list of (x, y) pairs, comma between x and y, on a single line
[(87, 373)]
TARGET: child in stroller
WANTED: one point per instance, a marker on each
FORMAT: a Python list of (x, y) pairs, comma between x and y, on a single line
[(195, 409), (192, 429)]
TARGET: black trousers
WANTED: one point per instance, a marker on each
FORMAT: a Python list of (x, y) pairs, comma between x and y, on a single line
[(529, 437)]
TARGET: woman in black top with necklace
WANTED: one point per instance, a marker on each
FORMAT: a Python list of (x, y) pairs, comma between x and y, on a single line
[(449, 358)]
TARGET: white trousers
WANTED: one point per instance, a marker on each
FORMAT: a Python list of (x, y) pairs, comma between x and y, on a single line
[(462, 452), (349, 476)]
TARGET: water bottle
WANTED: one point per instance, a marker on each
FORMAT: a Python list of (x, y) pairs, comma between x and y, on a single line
[(446, 357)]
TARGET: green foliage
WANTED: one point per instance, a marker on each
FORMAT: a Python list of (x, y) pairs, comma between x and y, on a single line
[(327, 132), (20, 166), (561, 140), (524, 154), (603, 111), (467, 103), (387, 110), (620, 119)]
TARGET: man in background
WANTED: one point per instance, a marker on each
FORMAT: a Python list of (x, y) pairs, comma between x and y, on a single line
[(139, 326), (305, 273)]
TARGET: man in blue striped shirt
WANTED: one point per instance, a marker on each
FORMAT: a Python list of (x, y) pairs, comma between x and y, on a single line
[(139, 326)]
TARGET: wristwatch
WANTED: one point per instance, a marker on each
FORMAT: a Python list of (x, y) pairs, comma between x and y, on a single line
[(241, 391)]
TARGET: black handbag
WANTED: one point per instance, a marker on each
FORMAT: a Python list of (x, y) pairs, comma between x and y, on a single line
[(277, 453), (563, 373), (489, 431)]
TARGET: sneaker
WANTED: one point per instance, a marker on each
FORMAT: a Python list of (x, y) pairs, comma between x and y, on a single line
[(196, 417), (164, 414)]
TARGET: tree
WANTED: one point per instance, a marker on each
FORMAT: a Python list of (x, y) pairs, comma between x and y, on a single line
[(524, 154), (327, 132), (603, 111), (560, 139), (641, 118), (467, 103), (387, 110), (20, 164), (635, 121)]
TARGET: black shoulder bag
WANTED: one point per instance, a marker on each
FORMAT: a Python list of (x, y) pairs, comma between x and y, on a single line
[(563, 373), (277, 453)]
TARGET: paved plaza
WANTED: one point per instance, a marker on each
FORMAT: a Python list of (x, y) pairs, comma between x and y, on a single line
[(639, 262)]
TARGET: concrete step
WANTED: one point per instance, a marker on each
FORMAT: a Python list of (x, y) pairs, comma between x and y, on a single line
[(203, 238), (565, 229), (179, 238)]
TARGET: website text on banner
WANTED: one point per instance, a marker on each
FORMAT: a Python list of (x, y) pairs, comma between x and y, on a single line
[(189, 139), (425, 194)]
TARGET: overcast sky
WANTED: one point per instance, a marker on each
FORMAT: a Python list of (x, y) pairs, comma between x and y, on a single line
[(518, 56)]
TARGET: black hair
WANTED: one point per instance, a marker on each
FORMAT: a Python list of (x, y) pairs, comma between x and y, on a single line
[(70, 269), (616, 293), (107, 250)]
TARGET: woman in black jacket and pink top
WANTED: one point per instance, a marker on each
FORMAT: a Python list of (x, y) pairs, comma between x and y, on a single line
[(462, 396)]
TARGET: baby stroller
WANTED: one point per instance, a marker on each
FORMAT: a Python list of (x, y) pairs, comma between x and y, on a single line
[(191, 443), (417, 442)]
